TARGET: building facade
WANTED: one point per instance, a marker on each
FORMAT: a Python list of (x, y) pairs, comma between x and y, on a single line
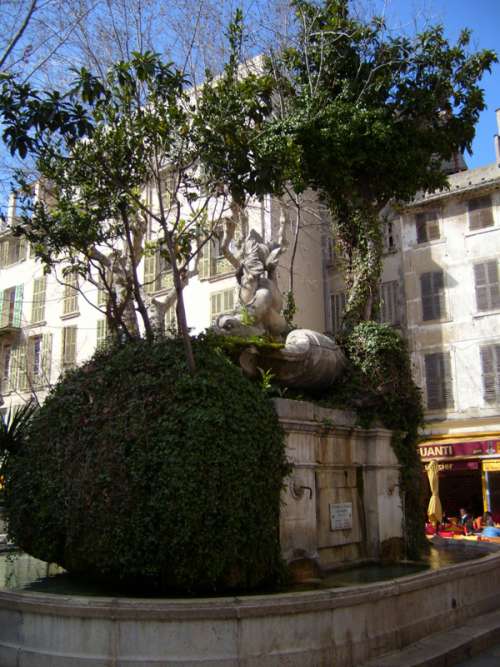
[(440, 287)]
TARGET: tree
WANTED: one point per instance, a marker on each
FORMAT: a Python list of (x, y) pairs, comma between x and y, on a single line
[(367, 118), (114, 158)]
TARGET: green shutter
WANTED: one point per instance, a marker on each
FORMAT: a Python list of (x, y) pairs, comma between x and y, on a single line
[(18, 306)]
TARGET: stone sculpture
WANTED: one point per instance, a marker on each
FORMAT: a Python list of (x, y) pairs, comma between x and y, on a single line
[(308, 359)]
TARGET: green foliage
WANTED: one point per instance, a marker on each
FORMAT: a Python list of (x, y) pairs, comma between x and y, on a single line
[(136, 470), (365, 117), (378, 385), (14, 429)]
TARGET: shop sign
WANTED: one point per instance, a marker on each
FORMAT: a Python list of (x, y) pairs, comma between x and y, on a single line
[(458, 465), (459, 449), (491, 466)]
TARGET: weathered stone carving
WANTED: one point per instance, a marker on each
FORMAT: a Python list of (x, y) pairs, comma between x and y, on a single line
[(309, 359)]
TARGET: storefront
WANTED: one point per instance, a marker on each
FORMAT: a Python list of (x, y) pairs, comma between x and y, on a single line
[(469, 474)]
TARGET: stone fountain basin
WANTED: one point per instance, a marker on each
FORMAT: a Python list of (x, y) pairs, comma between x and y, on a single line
[(338, 626)]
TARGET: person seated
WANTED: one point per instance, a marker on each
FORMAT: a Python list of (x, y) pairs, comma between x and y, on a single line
[(488, 519), (464, 516), (478, 523)]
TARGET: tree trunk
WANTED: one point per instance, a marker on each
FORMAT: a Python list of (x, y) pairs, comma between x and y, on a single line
[(360, 236), (179, 308)]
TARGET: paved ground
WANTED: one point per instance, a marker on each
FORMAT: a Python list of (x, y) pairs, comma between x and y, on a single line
[(490, 658)]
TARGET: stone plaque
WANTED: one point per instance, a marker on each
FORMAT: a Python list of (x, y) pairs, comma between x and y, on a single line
[(340, 516)]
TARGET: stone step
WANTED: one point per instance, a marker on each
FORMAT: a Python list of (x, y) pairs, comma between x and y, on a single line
[(448, 648)]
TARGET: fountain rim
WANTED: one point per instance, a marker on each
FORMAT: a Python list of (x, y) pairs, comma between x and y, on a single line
[(236, 607)]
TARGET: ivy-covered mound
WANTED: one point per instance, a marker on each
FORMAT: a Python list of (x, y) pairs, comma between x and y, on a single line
[(135, 470)]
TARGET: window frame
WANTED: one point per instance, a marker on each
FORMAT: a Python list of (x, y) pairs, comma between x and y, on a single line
[(439, 294), (472, 226), (493, 302), (446, 388)]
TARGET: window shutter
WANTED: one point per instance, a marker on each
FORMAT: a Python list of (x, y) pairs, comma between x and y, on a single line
[(338, 308), (4, 254), (46, 358), (421, 228), (23, 249), (102, 332), (149, 273), (204, 262), (18, 306), (486, 285), (427, 224), (38, 306), (438, 380), (492, 273), (70, 295), (14, 368), (487, 366), (170, 320), (69, 346), (228, 300), (480, 213), (389, 302), (433, 226), (490, 365), (433, 297), (22, 370), (2, 299)]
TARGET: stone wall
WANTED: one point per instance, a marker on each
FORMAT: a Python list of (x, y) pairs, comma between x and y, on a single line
[(342, 627), (339, 468)]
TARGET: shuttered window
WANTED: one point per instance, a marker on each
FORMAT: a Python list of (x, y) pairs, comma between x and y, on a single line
[(102, 293), (170, 321), (438, 380), (102, 333), (6, 367), (11, 305), (12, 251), (206, 261), (38, 305), (157, 272), (338, 308), (433, 296), (480, 213), (427, 224), (70, 303), (68, 352), (486, 284), (389, 302), (221, 302), (39, 360), (490, 365)]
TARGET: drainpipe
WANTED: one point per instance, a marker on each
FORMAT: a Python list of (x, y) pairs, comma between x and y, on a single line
[(497, 138)]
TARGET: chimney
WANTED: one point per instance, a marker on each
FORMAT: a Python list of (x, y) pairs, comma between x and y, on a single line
[(497, 138)]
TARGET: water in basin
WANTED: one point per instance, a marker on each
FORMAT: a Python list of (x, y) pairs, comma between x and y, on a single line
[(20, 572)]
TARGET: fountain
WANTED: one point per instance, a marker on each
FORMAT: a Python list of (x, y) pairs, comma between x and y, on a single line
[(341, 506)]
